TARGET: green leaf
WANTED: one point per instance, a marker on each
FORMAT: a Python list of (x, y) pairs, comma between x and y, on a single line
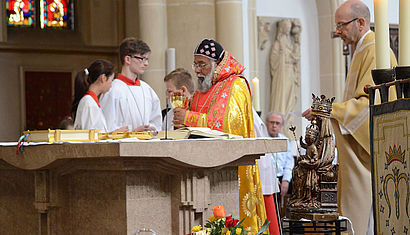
[(240, 222), (264, 227)]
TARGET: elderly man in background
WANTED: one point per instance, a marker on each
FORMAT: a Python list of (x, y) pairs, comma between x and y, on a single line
[(351, 117), (283, 161), (275, 168)]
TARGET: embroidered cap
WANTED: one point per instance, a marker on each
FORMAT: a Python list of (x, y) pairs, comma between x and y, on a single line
[(210, 49)]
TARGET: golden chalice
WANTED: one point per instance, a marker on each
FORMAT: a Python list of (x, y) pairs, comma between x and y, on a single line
[(177, 101)]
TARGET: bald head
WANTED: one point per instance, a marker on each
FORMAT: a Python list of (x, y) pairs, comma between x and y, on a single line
[(355, 9), (352, 20)]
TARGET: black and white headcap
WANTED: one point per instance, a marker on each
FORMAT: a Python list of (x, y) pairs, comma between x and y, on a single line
[(210, 49)]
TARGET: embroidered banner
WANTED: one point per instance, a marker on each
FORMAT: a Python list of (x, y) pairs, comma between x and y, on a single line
[(390, 133)]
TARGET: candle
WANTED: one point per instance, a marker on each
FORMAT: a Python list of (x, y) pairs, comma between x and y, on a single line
[(170, 60), (381, 25), (404, 33), (256, 97)]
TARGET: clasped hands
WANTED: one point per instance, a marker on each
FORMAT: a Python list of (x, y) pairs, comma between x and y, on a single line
[(138, 129)]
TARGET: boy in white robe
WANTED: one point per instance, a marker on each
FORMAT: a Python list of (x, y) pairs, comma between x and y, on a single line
[(178, 82), (130, 101)]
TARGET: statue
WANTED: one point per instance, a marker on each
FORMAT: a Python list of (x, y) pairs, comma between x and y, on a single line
[(263, 33), (296, 33), (285, 67), (314, 177)]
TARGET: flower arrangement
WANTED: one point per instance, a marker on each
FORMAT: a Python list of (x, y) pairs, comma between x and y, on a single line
[(219, 224)]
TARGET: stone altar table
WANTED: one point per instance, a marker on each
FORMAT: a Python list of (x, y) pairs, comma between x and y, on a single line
[(120, 187)]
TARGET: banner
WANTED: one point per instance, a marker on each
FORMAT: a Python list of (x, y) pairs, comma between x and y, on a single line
[(390, 133)]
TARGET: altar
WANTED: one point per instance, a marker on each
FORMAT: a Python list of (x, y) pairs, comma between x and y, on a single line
[(119, 187)]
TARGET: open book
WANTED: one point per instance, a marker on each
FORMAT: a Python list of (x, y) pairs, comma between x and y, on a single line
[(197, 133)]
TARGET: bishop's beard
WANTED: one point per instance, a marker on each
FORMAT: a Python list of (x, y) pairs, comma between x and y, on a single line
[(205, 82)]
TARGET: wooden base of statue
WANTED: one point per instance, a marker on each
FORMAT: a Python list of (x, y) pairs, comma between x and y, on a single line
[(316, 214)]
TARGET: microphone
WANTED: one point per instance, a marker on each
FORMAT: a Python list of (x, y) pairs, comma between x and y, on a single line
[(166, 121)]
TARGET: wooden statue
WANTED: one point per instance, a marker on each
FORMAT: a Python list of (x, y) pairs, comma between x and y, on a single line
[(314, 194)]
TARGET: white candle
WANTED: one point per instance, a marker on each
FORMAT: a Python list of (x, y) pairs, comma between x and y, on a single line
[(170, 60), (256, 96), (381, 25), (404, 33)]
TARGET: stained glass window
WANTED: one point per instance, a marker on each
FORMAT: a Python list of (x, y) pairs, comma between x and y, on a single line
[(20, 13), (56, 14)]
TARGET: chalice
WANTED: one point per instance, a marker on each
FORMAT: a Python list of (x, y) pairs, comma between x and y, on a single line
[(177, 101)]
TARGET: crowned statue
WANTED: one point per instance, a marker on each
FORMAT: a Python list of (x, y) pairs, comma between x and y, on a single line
[(314, 194)]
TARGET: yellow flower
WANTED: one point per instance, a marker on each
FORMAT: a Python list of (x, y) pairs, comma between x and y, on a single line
[(211, 218), (196, 228), (202, 232), (228, 232), (208, 229), (238, 231)]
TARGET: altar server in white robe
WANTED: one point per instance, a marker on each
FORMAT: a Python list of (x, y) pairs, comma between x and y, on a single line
[(89, 84), (130, 101)]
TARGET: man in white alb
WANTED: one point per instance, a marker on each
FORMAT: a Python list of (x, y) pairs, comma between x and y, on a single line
[(130, 101)]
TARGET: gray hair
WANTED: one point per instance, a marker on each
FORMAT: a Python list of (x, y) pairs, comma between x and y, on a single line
[(276, 113), (206, 84)]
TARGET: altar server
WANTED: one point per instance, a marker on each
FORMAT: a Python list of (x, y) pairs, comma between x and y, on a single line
[(89, 84), (130, 101)]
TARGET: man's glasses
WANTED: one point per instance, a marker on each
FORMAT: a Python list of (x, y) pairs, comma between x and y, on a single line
[(143, 59), (341, 25), (199, 66)]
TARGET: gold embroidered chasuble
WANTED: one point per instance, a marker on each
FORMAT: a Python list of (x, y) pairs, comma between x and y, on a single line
[(354, 182), (227, 107)]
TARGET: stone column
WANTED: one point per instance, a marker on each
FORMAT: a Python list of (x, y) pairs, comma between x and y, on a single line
[(229, 26), (42, 200), (153, 31), (188, 23), (339, 75), (253, 41), (332, 74)]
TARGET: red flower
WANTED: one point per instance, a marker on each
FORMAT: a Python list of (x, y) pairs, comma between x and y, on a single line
[(230, 222)]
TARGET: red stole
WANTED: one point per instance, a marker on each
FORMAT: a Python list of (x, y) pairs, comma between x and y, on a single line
[(94, 96), (128, 80)]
